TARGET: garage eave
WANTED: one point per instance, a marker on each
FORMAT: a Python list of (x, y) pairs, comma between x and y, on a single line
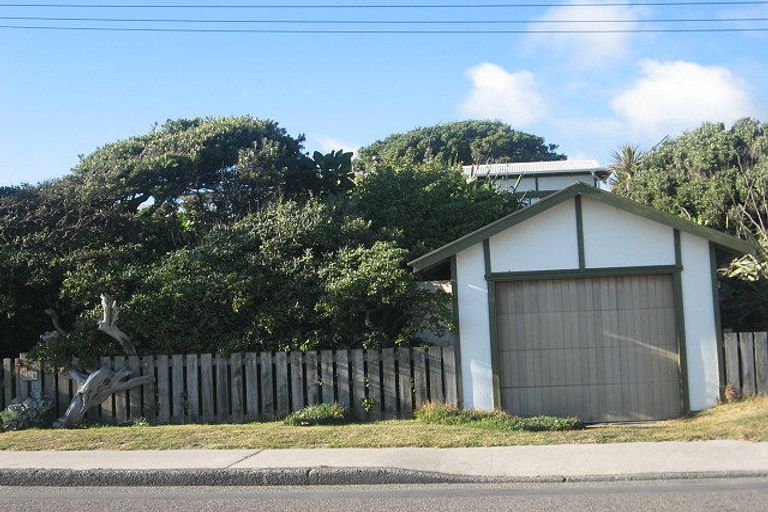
[(723, 240)]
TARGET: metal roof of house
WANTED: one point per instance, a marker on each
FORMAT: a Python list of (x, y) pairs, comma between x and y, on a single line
[(516, 169)]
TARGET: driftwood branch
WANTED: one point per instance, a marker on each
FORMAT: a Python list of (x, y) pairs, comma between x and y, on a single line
[(108, 324), (95, 387)]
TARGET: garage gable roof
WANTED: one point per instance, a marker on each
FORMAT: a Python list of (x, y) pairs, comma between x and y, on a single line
[(579, 189)]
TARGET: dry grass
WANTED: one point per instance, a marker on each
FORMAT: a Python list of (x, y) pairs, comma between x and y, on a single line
[(746, 419)]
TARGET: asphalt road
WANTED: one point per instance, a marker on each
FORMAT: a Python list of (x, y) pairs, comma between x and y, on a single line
[(740, 495)]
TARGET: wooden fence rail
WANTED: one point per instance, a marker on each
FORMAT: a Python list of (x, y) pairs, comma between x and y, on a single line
[(746, 362), (205, 388)]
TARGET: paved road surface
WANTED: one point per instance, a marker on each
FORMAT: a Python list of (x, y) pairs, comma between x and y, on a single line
[(742, 495)]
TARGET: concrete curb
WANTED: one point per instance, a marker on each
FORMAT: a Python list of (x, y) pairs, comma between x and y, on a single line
[(308, 476)]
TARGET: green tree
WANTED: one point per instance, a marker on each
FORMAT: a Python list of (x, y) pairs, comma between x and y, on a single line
[(292, 276), (463, 142), (131, 202), (716, 176), (424, 207)]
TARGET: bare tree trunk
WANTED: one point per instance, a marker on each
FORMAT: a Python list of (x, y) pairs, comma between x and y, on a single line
[(95, 387)]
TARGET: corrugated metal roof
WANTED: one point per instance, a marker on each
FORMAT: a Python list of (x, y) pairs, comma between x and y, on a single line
[(515, 169)]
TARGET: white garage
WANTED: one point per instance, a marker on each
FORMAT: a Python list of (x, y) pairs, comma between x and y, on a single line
[(587, 304)]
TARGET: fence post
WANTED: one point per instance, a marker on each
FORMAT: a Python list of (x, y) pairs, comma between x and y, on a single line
[(747, 352), (435, 374), (222, 390), (761, 362), (281, 385), (178, 404), (193, 389), (342, 377), (358, 383), (8, 381), (374, 383), (297, 381), (163, 390), (313, 396), (420, 395), (449, 374), (252, 386), (150, 400), (134, 394), (236, 373), (389, 384), (326, 372), (267, 392), (207, 390), (405, 390)]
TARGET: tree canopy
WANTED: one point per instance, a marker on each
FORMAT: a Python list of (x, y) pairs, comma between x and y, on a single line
[(716, 176), (223, 234), (459, 143)]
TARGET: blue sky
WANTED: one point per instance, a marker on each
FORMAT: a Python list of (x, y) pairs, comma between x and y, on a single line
[(66, 93)]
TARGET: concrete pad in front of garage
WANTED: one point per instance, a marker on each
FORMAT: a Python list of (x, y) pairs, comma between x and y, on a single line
[(123, 460), (568, 460)]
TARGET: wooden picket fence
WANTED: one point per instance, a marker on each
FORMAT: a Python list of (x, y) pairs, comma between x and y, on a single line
[(193, 388), (746, 362)]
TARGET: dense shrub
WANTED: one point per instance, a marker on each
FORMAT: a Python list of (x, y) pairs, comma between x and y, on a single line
[(494, 420), (323, 414), (28, 413)]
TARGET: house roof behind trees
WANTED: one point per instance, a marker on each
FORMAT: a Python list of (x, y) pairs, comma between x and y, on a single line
[(535, 168)]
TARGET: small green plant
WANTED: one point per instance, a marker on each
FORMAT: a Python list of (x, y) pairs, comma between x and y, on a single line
[(493, 420), (368, 404), (323, 414), (28, 413)]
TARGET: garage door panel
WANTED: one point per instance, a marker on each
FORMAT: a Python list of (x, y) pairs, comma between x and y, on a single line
[(603, 349)]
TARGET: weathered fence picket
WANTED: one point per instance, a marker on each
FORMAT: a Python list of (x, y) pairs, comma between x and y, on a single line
[(326, 376), (373, 384), (282, 395), (193, 389), (761, 362), (267, 389), (746, 362), (313, 395), (236, 394), (297, 381)]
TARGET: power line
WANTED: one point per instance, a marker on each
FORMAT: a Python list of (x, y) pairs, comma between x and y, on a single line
[(385, 6), (378, 31), (378, 22)]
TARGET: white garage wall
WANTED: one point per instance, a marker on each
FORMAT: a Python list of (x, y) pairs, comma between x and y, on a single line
[(700, 329), (474, 329), (547, 241), (612, 238), (617, 238)]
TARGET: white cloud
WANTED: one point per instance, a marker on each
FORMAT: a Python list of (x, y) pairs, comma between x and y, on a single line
[(499, 94), (673, 96), (326, 144), (586, 50)]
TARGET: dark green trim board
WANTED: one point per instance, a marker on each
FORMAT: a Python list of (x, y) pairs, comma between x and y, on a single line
[(493, 331), (457, 338), (580, 232), (677, 279), (587, 272), (582, 190), (718, 324)]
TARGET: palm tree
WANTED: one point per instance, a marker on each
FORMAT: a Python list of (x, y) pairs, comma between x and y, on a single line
[(624, 166)]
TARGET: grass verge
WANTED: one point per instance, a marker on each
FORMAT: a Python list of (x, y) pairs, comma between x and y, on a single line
[(746, 420)]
